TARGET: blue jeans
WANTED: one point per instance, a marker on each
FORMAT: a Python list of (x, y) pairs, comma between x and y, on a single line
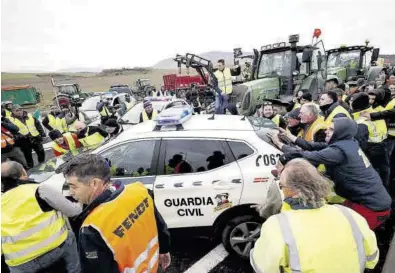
[(66, 252), (220, 108)]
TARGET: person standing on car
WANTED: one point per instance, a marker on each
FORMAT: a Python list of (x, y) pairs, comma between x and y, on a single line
[(31, 134), (122, 230), (348, 167), (313, 236), (331, 108), (224, 78), (8, 148), (64, 143), (34, 232), (148, 113), (90, 136)]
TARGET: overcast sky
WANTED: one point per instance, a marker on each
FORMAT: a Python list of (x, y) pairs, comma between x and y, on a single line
[(49, 35)]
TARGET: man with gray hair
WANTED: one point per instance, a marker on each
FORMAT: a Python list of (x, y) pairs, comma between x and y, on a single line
[(34, 235), (122, 229), (310, 228), (313, 123)]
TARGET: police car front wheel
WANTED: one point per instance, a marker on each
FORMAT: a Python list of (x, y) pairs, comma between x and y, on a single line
[(240, 235)]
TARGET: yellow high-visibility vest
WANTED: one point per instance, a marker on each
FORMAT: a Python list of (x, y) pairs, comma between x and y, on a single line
[(291, 238), (57, 123), (296, 106), (276, 119), (105, 112), (224, 80), (8, 114), (26, 231), (145, 116), (25, 129), (70, 141), (377, 129), (338, 110), (92, 140)]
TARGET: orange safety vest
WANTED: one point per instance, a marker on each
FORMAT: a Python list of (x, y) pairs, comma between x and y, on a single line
[(317, 125), (70, 142), (128, 226), (6, 138)]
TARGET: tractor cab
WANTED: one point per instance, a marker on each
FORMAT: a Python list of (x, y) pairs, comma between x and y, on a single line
[(68, 94), (281, 71), (350, 61)]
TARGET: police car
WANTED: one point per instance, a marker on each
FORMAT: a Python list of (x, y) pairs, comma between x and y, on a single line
[(204, 170)]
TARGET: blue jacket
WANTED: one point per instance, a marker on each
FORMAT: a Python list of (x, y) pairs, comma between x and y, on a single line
[(347, 166)]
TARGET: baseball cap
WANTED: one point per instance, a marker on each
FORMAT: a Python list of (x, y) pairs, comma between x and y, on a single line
[(294, 114)]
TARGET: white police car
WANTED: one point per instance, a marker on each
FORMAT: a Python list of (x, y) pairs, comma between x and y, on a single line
[(205, 171)]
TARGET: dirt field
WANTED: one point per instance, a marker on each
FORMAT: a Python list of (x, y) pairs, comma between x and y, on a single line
[(89, 82)]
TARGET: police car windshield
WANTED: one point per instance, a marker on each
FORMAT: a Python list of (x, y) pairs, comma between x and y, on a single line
[(45, 170), (90, 104), (262, 126)]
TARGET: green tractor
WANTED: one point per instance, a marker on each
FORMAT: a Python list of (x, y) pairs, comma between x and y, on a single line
[(351, 62), (279, 72)]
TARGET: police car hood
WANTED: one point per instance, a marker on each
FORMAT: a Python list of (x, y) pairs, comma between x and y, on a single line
[(344, 129)]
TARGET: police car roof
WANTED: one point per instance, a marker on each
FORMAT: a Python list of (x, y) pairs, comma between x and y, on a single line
[(195, 123)]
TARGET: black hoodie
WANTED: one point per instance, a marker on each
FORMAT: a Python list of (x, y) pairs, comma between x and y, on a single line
[(346, 165)]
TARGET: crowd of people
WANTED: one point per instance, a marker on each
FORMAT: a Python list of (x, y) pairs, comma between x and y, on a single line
[(337, 176), (335, 173)]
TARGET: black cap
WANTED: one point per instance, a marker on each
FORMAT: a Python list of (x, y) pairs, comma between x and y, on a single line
[(307, 96), (111, 123), (54, 134), (294, 114), (360, 101)]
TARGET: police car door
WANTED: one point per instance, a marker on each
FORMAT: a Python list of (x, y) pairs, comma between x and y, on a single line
[(197, 180), (134, 161)]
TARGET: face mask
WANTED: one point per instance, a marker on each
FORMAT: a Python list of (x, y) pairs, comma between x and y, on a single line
[(325, 107)]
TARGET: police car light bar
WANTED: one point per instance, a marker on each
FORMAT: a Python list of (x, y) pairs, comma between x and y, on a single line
[(168, 98), (174, 116)]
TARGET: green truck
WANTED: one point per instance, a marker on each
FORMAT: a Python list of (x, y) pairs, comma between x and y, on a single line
[(279, 71), (21, 94), (346, 62)]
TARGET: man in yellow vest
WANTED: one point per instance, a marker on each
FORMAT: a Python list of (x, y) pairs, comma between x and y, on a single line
[(313, 123), (389, 116), (331, 108), (148, 113), (31, 134), (72, 118), (55, 120), (224, 77), (122, 230), (6, 109), (376, 134), (293, 122), (90, 136), (267, 111), (295, 240), (105, 110), (64, 143), (34, 233)]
